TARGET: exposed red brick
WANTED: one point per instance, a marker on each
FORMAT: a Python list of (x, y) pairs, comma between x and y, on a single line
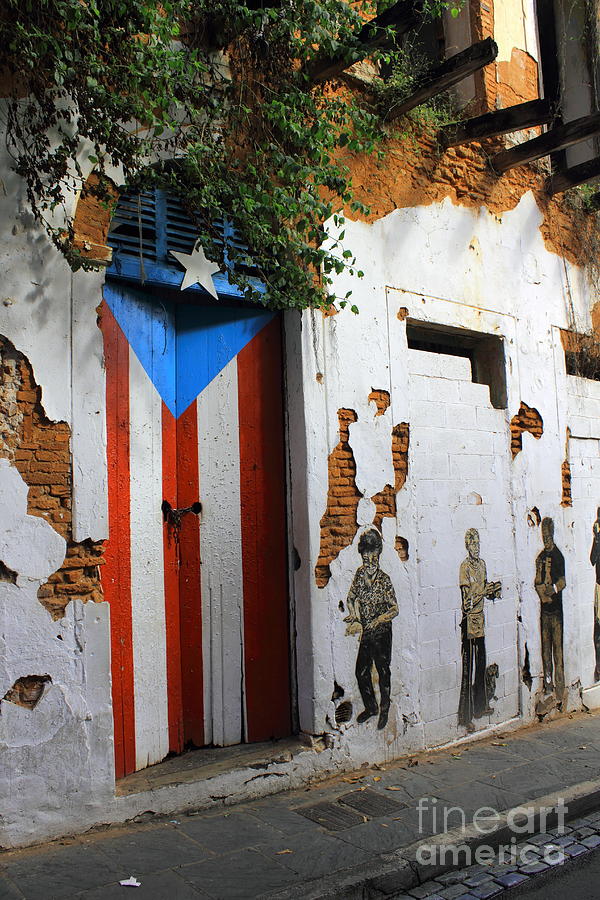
[(381, 399), (92, 219), (527, 419), (339, 523), (40, 450), (385, 500)]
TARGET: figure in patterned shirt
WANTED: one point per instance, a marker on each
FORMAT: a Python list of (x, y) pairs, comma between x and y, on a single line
[(371, 607)]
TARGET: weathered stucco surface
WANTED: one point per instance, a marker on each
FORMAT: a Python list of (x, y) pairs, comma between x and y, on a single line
[(475, 270), (379, 434)]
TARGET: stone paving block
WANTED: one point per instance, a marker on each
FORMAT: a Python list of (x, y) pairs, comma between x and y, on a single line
[(8, 891), (151, 851), (452, 891), (59, 872), (579, 823), (226, 833), (484, 891), (283, 818), (454, 877), (240, 875), (540, 839), (586, 831), (475, 869), (563, 841), (576, 849), (314, 855), (155, 886), (533, 868), (511, 879), (379, 837), (480, 878), (593, 840), (502, 869)]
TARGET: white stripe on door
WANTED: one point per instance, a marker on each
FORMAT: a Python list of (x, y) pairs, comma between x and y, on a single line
[(221, 555), (147, 570)]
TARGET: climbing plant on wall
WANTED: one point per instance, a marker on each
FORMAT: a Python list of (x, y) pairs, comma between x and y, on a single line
[(212, 99)]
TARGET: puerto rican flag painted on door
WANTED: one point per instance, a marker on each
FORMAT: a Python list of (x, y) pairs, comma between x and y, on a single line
[(199, 614)]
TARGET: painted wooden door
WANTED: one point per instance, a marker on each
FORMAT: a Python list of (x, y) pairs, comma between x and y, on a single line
[(199, 612)]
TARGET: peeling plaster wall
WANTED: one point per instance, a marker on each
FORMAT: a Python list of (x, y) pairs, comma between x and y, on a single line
[(456, 268), (56, 759)]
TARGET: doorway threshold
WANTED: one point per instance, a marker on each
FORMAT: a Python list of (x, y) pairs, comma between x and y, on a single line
[(208, 762)]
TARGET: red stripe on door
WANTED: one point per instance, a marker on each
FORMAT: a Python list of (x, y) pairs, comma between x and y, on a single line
[(172, 552), (264, 557), (188, 492), (116, 572)]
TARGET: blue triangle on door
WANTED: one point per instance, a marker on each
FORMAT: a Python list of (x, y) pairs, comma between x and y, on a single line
[(207, 339), (182, 347)]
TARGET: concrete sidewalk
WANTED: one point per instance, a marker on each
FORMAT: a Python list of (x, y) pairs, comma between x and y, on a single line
[(351, 836)]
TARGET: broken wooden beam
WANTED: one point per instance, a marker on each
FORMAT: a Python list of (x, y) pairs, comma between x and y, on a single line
[(501, 121), (562, 181), (447, 74), (557, 139), (377, 34)]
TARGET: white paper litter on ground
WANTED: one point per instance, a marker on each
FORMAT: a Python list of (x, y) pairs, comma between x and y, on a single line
[(131, 882)]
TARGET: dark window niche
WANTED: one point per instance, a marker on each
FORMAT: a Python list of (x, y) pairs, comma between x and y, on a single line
[(484, 351)]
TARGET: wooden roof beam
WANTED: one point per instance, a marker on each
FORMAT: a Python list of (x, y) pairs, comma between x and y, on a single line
[(447, 74), (557, 139), (374, 35), (562, 181), (501, 121)]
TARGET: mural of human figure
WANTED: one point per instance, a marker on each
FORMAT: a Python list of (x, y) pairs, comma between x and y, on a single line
[(474, 588), (371, 608), (550, 583), (595, 561)]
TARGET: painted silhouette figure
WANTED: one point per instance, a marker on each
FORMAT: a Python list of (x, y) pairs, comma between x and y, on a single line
[(549, 584), (474, 588), (371, 607), (595, 561)]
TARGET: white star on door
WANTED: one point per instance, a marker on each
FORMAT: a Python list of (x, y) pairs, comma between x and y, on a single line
[(198, 269)]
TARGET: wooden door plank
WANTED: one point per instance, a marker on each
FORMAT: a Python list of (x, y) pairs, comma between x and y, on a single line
[(264, 546)]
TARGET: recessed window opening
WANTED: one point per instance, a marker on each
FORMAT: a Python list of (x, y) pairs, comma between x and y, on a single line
[(583, 364), (485, 353)]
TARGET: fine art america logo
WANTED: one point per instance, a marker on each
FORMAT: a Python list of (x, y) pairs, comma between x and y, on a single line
[(438, 819)]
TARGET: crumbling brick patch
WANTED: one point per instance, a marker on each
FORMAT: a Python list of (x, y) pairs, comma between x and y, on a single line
[(40, 450), (482, 26), (567, 499), (385, 500), (381, 400), (27, 691), (401, 547), (527, 419), (339, 523), (93, 214)]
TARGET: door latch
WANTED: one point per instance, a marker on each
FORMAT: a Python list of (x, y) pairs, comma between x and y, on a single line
[(174, 516)]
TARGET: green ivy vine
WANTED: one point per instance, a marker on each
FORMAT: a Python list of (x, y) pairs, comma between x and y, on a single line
[(211, 99)]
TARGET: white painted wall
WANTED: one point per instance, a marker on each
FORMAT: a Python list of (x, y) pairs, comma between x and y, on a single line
[(457, 268), (446, 264), (56, 761)]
